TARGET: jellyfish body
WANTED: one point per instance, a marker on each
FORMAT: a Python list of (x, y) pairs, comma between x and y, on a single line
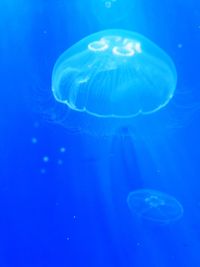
[(154, 206), (114, 74)]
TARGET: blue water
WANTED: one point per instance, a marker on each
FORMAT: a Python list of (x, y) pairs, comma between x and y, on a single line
[(63, 193)]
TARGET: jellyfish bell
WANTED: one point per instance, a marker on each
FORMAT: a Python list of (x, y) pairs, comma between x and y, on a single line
[(111, 77), (154, 206)]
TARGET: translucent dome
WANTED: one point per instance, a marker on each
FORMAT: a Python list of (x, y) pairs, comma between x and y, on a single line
[(152, 205), (114, 74), (107, 79)]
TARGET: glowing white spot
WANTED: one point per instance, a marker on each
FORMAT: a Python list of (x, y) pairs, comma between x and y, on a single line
[(62, 149), (45, 158), (125, 41), (138, 48), (34, 140)]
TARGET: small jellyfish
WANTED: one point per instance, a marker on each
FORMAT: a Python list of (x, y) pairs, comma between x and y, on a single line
[(114, 74), (155, 206)]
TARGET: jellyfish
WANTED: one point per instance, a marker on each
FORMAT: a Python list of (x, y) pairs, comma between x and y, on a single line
[(112, 76), (154, 206)]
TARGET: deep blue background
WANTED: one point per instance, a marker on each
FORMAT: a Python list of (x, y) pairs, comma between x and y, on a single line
[(63, 195)]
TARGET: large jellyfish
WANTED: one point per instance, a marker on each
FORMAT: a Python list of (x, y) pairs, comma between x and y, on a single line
[(155, 206), (113, 75)]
